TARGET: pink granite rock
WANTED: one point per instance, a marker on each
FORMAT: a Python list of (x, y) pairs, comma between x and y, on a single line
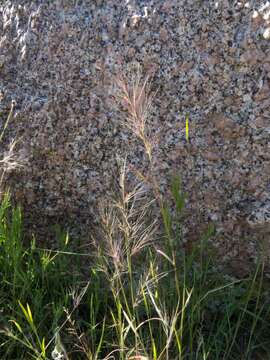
[(208, 59)]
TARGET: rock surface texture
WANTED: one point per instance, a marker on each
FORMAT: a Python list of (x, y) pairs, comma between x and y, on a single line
[(209, 59)]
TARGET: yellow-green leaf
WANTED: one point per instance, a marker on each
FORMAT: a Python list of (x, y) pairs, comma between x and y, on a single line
[(29, 314), (18, 326), (43, 347), (187, 128), (24, 310)]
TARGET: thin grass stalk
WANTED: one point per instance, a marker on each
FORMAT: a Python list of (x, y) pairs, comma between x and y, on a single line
[(256, 317), (243, 312), (153, 344)]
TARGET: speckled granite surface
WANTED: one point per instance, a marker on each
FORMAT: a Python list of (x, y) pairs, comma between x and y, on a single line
[(209, 59)]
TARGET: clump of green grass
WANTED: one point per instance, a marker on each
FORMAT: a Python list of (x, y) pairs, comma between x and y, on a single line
[(31, 279), (142, 300)]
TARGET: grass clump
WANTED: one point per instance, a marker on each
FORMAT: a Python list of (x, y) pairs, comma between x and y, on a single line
[(143, 299)]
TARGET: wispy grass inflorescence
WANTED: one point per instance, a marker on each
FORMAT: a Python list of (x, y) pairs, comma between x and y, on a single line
[(9, 161), (125, 229), (136, 97)]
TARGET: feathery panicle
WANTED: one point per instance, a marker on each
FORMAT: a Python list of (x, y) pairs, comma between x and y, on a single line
[(136, 97)]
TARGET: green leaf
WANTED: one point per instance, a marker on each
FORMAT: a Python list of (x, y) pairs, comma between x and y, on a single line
[(18, 326)]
